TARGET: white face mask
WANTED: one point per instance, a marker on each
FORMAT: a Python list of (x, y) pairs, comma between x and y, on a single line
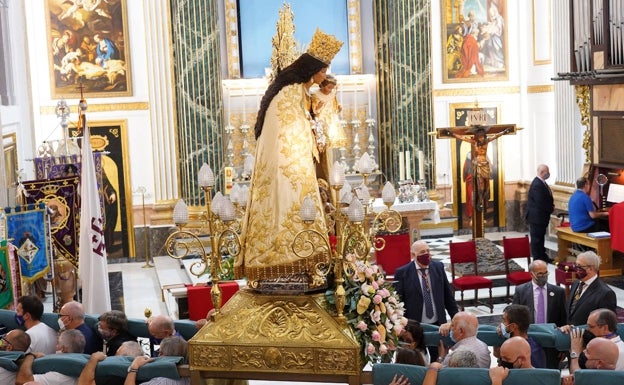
[(61, 324)]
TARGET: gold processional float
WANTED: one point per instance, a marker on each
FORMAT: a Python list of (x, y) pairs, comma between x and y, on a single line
[(277, 336)]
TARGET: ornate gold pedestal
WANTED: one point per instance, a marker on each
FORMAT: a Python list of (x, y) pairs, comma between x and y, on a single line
[(275, 337)]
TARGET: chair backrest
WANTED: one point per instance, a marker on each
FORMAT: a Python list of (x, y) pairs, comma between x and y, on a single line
[(463, 252), (516, 247), (519, 247)]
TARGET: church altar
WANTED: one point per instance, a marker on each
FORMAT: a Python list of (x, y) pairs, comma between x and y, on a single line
[(414, 212)]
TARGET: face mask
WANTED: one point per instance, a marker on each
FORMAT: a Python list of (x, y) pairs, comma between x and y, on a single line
[(504, 331), (506, 364), (61, 324), (19, 320), (587, 336), (546, 176), (541, 280), (452, 337), (106, 334), (424, 259), (581, 273), (582, 360)]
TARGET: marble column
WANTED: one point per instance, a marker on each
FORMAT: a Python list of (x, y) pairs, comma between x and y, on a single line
[(199, 99), (566, 111), (404, 84), (158, 49)]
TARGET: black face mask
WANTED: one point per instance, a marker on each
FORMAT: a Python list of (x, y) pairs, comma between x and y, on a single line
[(582, 360), (506, 364), (587, 336)]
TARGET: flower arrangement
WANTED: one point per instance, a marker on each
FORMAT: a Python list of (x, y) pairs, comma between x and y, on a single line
[(373, 310)]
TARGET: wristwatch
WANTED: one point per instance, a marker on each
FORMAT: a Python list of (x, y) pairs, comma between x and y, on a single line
[(573, 355), (132, 370)]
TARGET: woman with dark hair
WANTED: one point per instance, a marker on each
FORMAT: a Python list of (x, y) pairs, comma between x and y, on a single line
[(284, 174), (413, 337)]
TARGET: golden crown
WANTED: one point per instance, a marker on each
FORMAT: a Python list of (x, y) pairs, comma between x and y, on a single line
[(324, 46)]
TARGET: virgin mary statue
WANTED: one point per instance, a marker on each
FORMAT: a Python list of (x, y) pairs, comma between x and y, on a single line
[(284, 175)]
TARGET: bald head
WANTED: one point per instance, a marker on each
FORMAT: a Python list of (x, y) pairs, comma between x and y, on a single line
[(464, 325), (601, 353), (161, 326), (543, 171), (72, 314), (517, 351), (17, 340), (419, 251)]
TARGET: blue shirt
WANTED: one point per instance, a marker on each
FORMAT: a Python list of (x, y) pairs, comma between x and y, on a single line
[(538, 356), (579, 207)]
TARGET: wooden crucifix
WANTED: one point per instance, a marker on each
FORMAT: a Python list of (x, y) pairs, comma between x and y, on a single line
[(478, 134)]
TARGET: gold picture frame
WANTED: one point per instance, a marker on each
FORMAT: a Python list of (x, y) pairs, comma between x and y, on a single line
[(460, 162), (474, 41), (9, 145), (111, 138), (88, 48), (232, 39)]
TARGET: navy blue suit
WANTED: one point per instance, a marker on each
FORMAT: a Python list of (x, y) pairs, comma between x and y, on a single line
[(540, 205), (598, 295), (407, 285)]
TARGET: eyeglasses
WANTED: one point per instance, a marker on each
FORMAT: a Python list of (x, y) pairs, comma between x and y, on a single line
[(541, 274), (63, 315), (581, 266), (5, 341)]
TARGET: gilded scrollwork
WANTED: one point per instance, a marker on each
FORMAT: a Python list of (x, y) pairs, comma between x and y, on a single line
[(583, 102)]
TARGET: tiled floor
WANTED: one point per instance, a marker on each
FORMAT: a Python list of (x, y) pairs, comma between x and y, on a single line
[(142, 285)]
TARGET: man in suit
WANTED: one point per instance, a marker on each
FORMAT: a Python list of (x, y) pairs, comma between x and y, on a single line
[(588, 292), (424, 289), (552, 296), (552, 299), (540, 205)]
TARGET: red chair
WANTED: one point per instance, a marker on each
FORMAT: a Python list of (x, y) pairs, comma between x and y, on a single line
[(466, 252), (516, 248), (395, 254)]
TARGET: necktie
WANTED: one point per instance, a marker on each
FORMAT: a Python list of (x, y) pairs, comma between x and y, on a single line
[(547, 187), (426, 293), (577, 296), (540, 306)]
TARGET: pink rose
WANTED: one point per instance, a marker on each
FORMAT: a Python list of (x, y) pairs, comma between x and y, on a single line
[(362, 326), (375, 316), (370, 348), (369, 272), (398, 328), (375, 285), (377, 299), (381, 280), (383, 349), (376, 336)]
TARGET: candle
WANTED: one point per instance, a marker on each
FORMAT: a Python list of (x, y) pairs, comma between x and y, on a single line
[(401, 166), (408, 165), (244, 112), (370, 106), (229, 106), (354, 104), (421, 165)]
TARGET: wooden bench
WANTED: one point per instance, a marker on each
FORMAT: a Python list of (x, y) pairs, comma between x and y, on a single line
[(566, 237)]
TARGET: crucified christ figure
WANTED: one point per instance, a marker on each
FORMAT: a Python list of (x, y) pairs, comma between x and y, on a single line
[(479, 140)]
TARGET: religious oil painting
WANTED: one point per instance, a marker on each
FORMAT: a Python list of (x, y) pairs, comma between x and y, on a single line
[(461, 158), (474, 39), (88, 47), (110, 138)]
